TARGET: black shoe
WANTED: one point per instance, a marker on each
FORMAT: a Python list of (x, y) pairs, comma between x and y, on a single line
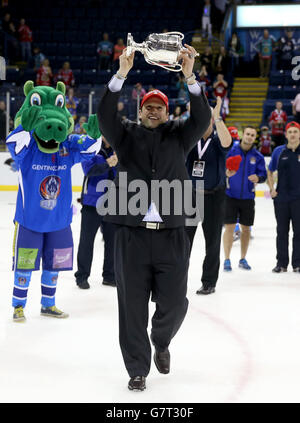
[(83, 284), (296, 269), (206, 291), (108, 283), (137, 383), (162, 361), (279, 269)]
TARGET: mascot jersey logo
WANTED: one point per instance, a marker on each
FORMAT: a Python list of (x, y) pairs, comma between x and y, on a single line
[(49, 191)]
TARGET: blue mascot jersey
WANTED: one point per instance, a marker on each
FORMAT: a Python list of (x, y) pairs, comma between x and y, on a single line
[(44, 202)]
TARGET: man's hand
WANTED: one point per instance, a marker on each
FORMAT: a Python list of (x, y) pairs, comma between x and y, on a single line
[(230, 173), (253, 178), (126, 63), (216, 111), (273, 193), (30, 117), (112, 160), (187, 56)]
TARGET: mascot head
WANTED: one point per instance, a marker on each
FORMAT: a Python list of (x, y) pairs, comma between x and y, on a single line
[(44, 111)]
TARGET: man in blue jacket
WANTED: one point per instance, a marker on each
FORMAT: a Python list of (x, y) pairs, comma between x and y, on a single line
[(100, 167), (240, 194), (286, 161)]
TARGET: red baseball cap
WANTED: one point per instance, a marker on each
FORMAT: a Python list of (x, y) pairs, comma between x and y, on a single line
[(156, 94), (233, 132), (293, 123)]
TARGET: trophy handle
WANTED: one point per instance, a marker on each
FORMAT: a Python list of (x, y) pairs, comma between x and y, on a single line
[(177, 67)]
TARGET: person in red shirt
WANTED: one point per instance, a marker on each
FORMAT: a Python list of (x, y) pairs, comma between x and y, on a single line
[(220, 86), (265, 142), (44, 74), (277, 122), (25, 38), (65, 75), (118, 49)]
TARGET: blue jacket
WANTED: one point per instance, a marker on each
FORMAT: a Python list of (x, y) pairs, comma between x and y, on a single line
[(253, 162), (95, 170)]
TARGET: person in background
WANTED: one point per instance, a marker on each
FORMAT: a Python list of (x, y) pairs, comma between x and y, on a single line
[(286, 195), (285, 50), (37, 58), (25, 38), (72, 103), (121, 110), (206, 20), (265, 49), (176, 115), (104, 51), (206, 59), (277, 122), (240, 194), (265, 143), (2, 122), (65, 74), (296, 107), (221, 61), (117, 51), (101, 167), (236, 51), (210, 153), (78, 129), (44, 74), (138, 90)]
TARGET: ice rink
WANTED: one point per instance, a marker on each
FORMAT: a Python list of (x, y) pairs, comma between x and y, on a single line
[(241, 344)]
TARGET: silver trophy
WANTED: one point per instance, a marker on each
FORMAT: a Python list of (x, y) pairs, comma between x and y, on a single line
[(159, 49)]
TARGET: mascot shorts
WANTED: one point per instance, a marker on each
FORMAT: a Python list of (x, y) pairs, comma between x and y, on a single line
[(54, 248)]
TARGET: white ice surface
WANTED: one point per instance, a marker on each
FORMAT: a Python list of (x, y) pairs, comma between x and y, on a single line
[(241, 344)]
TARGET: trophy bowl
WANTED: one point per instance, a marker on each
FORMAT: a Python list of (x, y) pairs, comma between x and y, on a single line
[(159, 49)]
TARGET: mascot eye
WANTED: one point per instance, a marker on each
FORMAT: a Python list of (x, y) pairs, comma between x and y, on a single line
[(60, 101), (35, 100)]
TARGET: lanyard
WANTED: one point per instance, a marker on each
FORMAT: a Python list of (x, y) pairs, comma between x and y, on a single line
[(201, 151)]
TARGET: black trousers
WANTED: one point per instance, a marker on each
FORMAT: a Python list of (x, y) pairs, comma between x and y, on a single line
[(214, 206), (91, 221), (149, 263), (286, 212)]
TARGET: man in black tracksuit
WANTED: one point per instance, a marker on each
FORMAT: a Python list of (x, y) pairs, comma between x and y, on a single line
[(151, 248), (211, 151)]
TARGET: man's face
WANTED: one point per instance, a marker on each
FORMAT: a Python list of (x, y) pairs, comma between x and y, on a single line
[(266, 33), (153, 113), (278, 105), (293, 135), (249, 137)]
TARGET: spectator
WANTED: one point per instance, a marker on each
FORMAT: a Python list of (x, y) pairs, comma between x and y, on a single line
[(138, 90), (118, 49), (177, 113), (104, 50), (2, 122), (185, 115), (206, 59), (277, 122), (220, 86), (265, 142), (25, 37), (78, 127), (121, 110), (236, 51), (44, 74), (221, 61), (286, 47), (72, 103), (65, 74), (10, 39), (99, 168), (37, 58), (206, 20), (265, 48), (203, 79), (296, 107), (183, 93)]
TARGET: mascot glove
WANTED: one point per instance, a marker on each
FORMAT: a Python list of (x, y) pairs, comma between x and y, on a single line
[(92, 127), (30, 117)]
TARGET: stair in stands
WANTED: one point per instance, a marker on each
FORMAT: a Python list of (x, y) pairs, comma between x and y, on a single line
[(246, 102)]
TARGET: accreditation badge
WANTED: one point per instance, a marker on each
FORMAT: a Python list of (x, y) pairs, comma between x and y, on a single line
[(198, 168)]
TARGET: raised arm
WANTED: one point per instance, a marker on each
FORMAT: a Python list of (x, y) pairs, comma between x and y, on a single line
[(109, 122)]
